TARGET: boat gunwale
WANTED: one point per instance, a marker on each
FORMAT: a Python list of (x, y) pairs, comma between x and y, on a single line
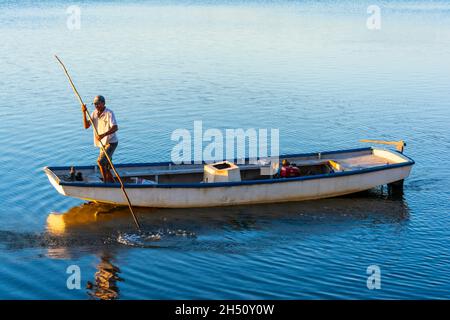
[(409, 162)]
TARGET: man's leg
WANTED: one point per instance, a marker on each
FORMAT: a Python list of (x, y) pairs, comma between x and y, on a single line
[(106, 174), (104, 164), (101, 161)]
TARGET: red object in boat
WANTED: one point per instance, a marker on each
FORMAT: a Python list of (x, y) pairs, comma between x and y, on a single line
[(288, 172)]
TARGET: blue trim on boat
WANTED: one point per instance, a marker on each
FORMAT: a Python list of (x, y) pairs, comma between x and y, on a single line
[(410, 162), (166, 163)]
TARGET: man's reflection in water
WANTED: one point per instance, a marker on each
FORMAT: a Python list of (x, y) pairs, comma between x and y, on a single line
[(105, 284)]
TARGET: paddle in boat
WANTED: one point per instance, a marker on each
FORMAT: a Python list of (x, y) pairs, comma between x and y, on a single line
[(168, 185)]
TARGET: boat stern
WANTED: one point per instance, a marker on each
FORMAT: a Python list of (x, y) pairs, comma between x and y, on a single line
[(391, 156), (402, 164)]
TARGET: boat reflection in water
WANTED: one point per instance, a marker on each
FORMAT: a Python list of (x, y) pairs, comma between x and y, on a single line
[(79, 229), (87, 217), (91, 219), (96, 229)]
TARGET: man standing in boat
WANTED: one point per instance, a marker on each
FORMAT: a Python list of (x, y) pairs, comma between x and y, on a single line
[(105, 122)]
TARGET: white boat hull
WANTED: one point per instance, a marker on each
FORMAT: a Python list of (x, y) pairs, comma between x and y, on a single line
[(280, 190)]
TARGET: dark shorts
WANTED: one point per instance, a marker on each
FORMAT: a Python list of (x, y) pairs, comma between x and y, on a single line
[(109, 148)]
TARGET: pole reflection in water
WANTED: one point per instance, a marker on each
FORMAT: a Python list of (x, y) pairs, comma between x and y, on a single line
[(105, 284)]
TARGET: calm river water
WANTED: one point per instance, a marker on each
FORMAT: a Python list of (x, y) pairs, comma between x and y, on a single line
[(311, 69)]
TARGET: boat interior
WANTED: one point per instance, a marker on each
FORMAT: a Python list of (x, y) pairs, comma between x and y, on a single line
[(244, 170)]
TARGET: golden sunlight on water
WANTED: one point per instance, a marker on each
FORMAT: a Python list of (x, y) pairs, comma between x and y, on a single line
[(58, 224), (79, 216)]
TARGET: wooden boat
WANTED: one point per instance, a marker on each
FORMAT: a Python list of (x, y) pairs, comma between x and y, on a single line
[(167, 185)]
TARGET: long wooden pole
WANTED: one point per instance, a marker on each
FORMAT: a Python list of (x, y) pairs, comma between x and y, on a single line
[(400, 145), (136, 221)]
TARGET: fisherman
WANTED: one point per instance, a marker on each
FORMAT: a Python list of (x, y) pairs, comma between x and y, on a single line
[(105, 123)]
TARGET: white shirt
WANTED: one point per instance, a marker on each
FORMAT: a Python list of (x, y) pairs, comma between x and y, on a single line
[(103, 124)]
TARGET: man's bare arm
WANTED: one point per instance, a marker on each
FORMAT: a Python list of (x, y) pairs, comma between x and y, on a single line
[(113, 129), (86, 122)]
